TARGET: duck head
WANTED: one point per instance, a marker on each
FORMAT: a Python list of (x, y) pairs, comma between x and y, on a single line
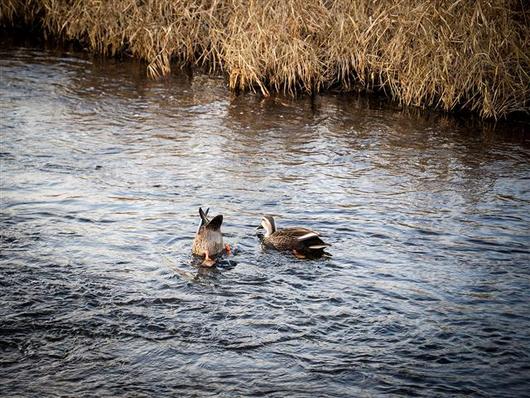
[(268, 224)]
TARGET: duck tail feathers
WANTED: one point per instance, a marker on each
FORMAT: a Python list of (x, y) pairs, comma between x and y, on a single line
[(204, 216)]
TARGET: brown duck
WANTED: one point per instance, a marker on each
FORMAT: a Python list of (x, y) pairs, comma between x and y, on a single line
[(303, 242), (208, 240)]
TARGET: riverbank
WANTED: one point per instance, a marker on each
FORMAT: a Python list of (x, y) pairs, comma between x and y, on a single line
[(471, 56)]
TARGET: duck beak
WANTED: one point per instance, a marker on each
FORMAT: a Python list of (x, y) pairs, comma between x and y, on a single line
[(259, 227)]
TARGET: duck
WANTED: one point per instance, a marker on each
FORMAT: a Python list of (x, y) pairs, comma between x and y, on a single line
[(302, 242), (208, 242)]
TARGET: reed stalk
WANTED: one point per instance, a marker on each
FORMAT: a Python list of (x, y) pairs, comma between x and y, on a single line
[(450, 55)]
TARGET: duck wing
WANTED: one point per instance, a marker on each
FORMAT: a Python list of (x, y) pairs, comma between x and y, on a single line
[(296, 232), (303, 239), (215, 223), (308, 240)]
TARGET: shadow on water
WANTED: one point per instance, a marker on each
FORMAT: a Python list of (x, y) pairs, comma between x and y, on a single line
[(103, 171)]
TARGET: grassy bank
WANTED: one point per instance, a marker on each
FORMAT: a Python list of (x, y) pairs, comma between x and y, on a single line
[(470, 55)]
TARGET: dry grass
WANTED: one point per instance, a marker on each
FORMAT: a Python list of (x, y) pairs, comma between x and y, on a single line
[(459, 54)]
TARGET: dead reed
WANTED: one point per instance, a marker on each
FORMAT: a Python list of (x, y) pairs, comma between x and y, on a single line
[(452, 55)]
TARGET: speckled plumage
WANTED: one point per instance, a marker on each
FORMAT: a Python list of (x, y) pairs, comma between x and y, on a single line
[(303, 242), (208, 240)]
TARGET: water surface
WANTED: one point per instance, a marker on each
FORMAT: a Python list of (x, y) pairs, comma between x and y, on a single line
[(102, 174)]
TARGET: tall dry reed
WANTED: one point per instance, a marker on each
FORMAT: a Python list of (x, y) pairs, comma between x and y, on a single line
[(459, 54)]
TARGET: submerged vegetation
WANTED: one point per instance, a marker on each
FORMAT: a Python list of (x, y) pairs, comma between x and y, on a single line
[(459, 54)]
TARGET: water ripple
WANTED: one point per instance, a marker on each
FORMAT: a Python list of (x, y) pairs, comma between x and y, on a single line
[(426, 292)]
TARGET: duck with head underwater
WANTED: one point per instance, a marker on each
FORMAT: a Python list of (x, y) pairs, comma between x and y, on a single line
[(208, 242), (303, 242)]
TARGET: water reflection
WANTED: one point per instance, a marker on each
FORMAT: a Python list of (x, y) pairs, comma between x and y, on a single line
[(102, 174)]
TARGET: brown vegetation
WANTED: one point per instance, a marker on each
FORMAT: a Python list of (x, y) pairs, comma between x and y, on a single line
[(459, 54)]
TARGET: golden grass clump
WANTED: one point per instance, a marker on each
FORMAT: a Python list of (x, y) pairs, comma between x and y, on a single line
[(469, 55)]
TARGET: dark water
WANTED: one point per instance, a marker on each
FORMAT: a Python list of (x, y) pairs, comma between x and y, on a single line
[(102, 173)]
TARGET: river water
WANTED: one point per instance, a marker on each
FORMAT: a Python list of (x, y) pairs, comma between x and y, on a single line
[(102, 173)]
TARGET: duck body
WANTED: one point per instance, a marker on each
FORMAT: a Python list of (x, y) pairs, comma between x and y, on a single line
[(303, 242), (208, 242)]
